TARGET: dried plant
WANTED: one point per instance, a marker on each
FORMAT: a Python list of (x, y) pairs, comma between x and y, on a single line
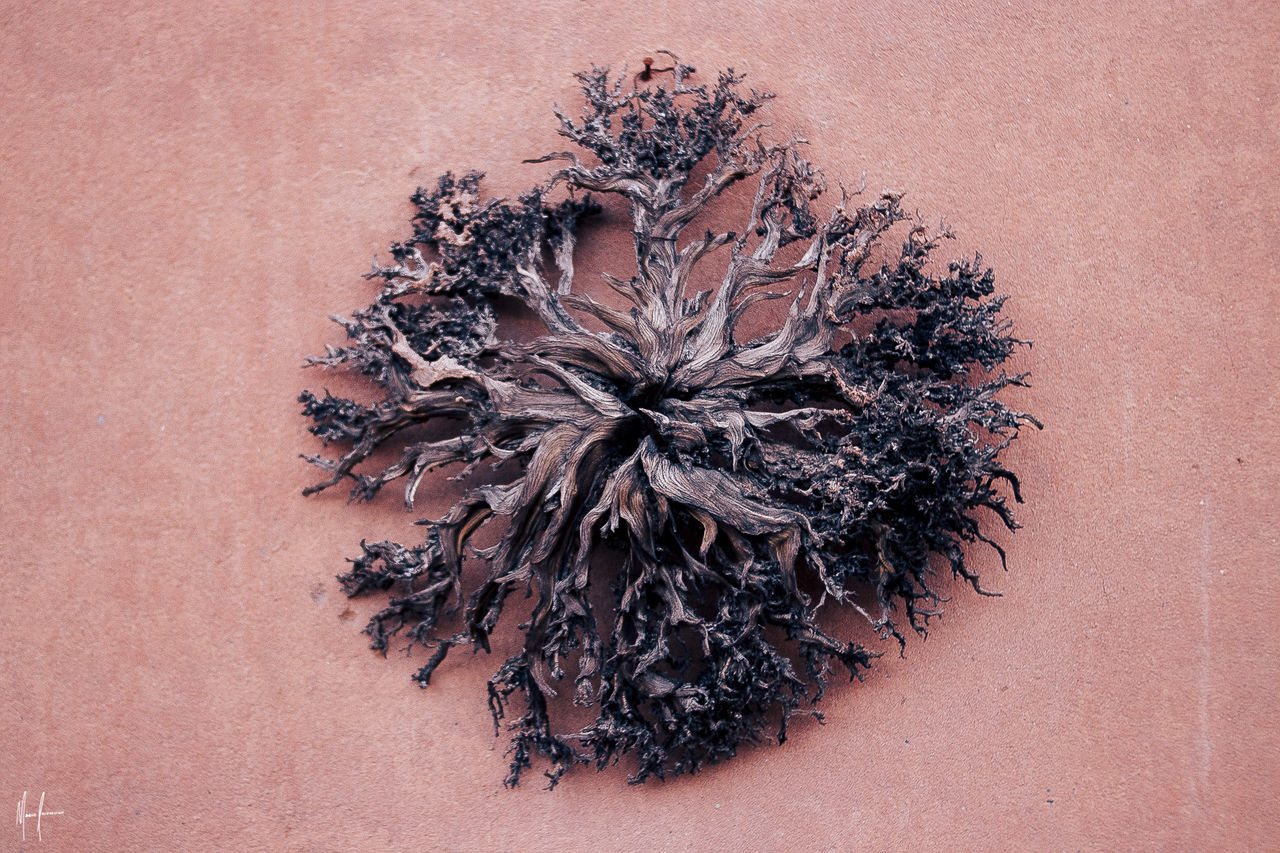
[(713, 492)]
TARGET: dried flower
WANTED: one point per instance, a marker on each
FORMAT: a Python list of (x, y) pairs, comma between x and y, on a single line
[(716, 490)]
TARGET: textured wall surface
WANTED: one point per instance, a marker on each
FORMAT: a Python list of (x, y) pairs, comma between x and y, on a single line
[(187, 190)]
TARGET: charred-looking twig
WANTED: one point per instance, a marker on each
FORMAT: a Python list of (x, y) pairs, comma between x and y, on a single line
[(715, 488), (647, 74)]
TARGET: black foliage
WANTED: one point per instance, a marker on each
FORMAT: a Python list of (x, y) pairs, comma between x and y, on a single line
[(718, 490)]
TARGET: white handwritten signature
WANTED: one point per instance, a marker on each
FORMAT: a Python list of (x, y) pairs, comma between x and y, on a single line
[(24, 816)]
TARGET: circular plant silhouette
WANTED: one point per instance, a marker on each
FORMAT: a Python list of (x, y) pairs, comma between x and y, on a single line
[(685, 496)]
